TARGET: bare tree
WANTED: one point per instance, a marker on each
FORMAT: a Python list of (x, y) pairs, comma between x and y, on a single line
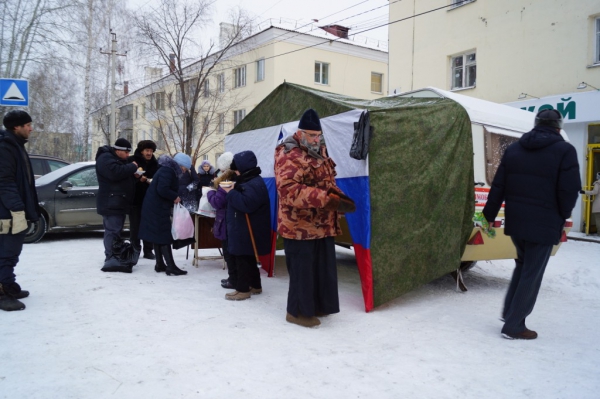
[(191, 113)]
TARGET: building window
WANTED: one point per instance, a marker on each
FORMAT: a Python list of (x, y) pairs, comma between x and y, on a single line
[(260, 70), (376, 82), (206, 124), (221, 80), (239, 77), (238, 116), (207, 88), (136, 112), (464, 71), (205, 157), (322, 73), (221, 123), (597, 58), (158, 100)]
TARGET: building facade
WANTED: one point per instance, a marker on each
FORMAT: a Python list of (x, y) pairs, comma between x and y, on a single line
[(252, 70), (544, 53)]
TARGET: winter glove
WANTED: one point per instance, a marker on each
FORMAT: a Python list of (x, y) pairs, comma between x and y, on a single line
[(333, 202), (19, 223), (346, 203), (581, 191)]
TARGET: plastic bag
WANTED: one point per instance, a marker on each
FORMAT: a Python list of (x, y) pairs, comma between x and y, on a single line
[(183, 226), (205, 208)]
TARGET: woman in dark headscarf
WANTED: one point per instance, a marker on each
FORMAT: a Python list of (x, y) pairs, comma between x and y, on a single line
[(155, 226)]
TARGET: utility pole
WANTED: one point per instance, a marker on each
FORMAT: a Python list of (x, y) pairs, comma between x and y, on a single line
[(113, 85)]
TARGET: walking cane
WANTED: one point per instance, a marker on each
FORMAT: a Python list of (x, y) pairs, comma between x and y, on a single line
[(253, 242)]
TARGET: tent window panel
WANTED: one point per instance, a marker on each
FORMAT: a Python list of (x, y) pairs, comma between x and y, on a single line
[(495, 145)]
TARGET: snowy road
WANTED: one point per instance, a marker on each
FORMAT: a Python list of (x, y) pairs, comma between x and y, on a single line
[(88, 334)]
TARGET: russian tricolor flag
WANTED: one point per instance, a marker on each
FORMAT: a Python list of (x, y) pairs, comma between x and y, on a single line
[(352, 177)]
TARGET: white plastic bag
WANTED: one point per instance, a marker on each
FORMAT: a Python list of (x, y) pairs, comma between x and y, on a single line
[(183, 226), (205, 208)]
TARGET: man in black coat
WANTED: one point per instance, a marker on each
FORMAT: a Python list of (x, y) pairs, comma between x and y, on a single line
[(248, 205), (539, 180), (18, 203), (116, 183), (144, 157)]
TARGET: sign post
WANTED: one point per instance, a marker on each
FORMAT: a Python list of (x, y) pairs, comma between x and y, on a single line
[(14, 92)]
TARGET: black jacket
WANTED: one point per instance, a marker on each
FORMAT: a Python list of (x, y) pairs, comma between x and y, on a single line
[(155, 225), (116, 182), (539, 180), (189, 199), (250, 196), (150, 167), (17, 184)]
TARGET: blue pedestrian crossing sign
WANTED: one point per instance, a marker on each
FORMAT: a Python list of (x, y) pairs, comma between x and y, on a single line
[(14, 92)]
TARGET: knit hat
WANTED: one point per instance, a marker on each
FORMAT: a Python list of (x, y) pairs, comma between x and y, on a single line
[(224, 161), (310, 121), (122, 144), (183, 160), (205, 162), (15, 118), (144, 144)]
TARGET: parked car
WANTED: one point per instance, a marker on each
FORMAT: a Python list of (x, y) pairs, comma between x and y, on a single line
[(44, 164), (67, 199)]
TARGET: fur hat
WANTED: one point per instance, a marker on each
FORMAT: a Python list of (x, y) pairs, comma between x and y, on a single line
[(122, 144), (144, 144), (183, 160), (310, 121), (205, 162), (224, 161), (15, 118)]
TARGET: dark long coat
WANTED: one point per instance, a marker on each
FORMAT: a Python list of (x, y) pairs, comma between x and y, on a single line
[(150, 167), (17, 184), (539, 179), (250, 196), (155, 226), (116, 182)]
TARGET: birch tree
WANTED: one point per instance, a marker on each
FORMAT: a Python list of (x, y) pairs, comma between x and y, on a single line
[(192, 112)]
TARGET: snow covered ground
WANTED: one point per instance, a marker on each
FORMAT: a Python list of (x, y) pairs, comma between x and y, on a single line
[(88, 334)]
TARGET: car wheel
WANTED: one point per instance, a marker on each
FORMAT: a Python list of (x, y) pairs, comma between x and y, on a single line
[(36, 230)]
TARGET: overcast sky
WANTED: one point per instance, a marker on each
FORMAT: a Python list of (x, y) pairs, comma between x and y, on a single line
[(359, 15)]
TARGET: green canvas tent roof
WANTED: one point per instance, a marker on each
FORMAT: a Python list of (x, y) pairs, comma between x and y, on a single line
[(415, 198)]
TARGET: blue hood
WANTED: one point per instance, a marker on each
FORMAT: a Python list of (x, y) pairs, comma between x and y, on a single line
[(244, 161)]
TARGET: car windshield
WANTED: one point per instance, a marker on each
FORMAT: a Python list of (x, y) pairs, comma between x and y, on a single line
[(50, 177)]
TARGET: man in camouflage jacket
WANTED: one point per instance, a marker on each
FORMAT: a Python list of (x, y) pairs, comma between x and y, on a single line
[(307, 219)]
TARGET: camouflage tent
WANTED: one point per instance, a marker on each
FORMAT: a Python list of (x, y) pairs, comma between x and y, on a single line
[(414, 192)]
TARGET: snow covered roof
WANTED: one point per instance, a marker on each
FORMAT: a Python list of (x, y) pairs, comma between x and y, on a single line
[(483, 112), (313, 29)]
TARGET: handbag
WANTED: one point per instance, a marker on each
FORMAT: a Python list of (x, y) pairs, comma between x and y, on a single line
[(205, 208), (183, 226)]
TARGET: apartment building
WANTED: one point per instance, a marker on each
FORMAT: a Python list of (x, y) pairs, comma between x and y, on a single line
[(529, 54), (324, 58)]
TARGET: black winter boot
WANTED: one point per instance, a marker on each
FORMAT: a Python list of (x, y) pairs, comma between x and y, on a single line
[(160, 263), (148, 251), (14, 290), (8, 302), (172, 269)]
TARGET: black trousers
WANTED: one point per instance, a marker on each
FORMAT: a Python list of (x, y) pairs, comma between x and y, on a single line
[(524, 287), (313, 276), (248, 274), (231, 270), (113, 224), (135, 217), (11, 246)]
